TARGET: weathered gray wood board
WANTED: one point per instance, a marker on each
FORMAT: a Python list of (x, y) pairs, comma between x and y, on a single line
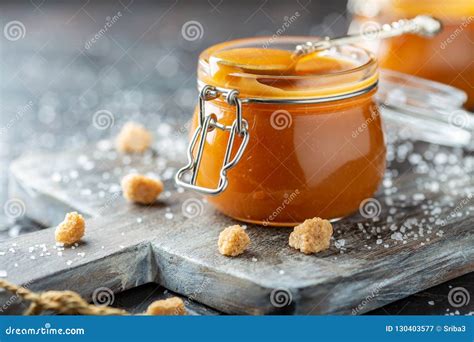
[(367, 266)]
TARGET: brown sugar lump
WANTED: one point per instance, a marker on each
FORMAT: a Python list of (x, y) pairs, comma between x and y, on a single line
[(71, 230), (141, 189), (133, 138), (233, 241), (173, 306), (312, 236)]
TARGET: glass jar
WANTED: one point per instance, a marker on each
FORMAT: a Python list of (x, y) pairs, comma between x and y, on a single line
[(276, 145), (446, 58)]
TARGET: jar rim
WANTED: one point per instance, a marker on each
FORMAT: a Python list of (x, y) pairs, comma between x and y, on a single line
[(364, 73)]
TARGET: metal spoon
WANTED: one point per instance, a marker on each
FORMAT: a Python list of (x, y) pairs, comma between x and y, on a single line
[(423, 25)]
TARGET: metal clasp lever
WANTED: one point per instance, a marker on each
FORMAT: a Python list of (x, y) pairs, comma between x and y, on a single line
[(206, 124)]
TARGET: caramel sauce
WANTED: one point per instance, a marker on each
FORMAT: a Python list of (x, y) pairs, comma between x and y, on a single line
[(302, 160)]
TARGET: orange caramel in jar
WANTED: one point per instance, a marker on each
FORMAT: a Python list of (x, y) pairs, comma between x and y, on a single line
[(315, 142), (447, 57)]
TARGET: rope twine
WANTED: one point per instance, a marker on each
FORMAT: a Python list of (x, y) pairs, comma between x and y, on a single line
[(61, 302)]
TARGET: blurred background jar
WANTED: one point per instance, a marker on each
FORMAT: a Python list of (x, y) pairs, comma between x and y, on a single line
[(447, 58)]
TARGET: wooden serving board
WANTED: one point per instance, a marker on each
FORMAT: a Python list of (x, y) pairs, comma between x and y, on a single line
[(421, 237)]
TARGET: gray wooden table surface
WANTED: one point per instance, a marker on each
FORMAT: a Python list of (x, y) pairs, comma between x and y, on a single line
[(54, 79)]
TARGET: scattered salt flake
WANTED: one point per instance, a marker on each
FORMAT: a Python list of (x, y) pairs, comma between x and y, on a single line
[(281, 272), (431, 302), (379, 241), (139, 220), (254, 259), (397, 236), (81, 254), (169, 216), (3, 274), (340, 243), (56, 177), (418, 197), (386, 245), (15, 264), (69, 262), (60, 253), (123, 234), (32, 257), (122, 246), (102, 247), (2, 253)]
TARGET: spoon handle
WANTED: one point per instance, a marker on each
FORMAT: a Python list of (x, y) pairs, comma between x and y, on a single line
[(422, 25)]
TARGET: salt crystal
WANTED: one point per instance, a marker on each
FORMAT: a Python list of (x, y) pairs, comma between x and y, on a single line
[(169, 216), (32, 257), (139, 220), (418, 197), (3, 274), (254, 259), (69, 262), (431, 302), (379, 241), (281, 272), (397, 236)]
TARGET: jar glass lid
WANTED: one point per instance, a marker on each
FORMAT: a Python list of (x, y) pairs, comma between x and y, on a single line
[(426, 110), (267, 67)]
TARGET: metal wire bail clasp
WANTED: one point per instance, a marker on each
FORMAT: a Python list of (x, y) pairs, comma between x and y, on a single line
[(208, 123)]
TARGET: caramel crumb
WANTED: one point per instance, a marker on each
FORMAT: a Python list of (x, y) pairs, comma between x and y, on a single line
[(71, 230), (312, 236), (233, 241), (141, 189), (167, 307), (133, 138)]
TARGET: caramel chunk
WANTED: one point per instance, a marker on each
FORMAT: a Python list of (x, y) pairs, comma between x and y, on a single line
[(71, 230), (133, 138), (167, 307), (233, 241), (312, 236), (141, 189)]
